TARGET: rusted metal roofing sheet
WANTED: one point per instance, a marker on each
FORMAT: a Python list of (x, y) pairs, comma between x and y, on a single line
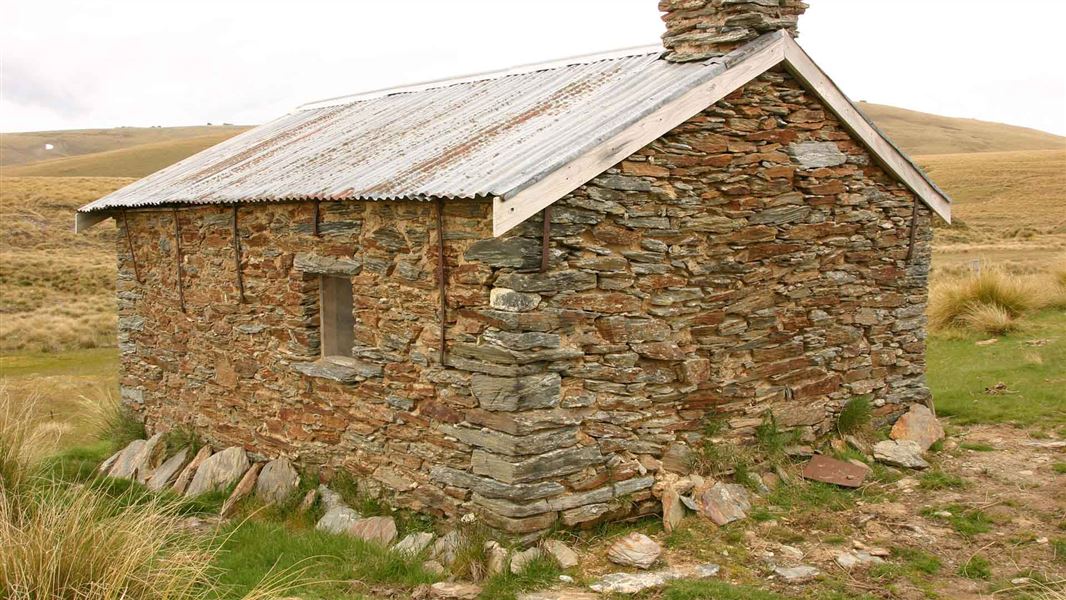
[(472, 138)]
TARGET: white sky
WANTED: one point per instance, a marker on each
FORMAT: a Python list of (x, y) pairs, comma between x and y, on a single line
[(103, 63)]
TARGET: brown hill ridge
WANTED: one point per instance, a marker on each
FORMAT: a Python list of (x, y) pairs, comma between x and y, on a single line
[(136, 152), (923, 133)]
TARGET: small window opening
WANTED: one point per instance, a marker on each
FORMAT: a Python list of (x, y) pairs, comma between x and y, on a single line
[(337, 322)]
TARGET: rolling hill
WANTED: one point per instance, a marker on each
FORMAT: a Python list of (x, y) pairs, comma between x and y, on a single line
[(30, 147), (134, 161), (922, 133), (136, 152)]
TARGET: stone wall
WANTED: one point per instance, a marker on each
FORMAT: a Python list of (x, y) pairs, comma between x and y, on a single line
[(754, 259)]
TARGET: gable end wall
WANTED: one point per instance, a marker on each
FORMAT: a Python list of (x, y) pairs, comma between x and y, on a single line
[(710, 276)]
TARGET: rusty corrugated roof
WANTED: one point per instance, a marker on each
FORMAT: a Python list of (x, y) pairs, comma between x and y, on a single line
[(475, 137)]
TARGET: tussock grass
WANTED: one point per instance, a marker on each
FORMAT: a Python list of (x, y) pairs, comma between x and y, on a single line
[(992, 301), (68, 534)]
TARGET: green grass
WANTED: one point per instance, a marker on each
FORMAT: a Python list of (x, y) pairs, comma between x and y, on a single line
[(715, 590), (967, 522), (855, 415), (939, 480), (539, 573), (977, 567), (977, 447), (959, 371), (812, 495), (1059, 468), (91, 361), (328, 563), (1058, 546)]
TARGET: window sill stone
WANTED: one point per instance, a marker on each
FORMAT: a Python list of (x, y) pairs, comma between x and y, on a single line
[(339, 368)]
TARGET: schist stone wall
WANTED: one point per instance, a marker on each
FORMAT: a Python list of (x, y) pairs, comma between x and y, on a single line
[(754, 259)]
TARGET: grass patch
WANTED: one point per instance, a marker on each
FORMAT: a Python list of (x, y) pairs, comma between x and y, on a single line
[(855, 415), (917, 560), (959, 372), (940, 480), (977, 447), (327, 563), (1059, 468), (967, 522), (977, 567), (1058, 548), (715, 590), (811, 496), (539, 573)]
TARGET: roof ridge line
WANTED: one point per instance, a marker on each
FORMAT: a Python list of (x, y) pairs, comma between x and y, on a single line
[(521, 69)]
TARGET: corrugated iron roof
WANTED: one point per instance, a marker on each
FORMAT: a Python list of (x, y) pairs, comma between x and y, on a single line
[(467, 138)]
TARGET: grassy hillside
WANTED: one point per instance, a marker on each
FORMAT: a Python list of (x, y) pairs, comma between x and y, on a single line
[(56, 289), (1009, 208), (23, 148), (923, 133), (134, 161)]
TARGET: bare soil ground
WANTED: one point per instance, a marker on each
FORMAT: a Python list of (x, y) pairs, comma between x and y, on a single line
[(986, 521)]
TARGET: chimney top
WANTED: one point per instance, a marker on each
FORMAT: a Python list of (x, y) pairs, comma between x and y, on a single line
[(702, 29)]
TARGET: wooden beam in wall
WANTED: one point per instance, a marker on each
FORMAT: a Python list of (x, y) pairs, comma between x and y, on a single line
[(177, 260), (442, 280), (129, 244), (237, 257)]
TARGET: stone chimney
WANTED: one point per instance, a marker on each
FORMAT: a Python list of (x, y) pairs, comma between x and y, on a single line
[(701, 29)]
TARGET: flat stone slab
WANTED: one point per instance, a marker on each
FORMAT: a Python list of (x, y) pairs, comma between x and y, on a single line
[(564, 555), (634, 550), (830, 470), (723, 503), (857, 559), (634, 583), (380, 530), (219, 472), (907, 454), (277, 481), (338, 520), (521, 560), (414, 544), (139, 459), (167, 471), (454, 590), (800, 574)]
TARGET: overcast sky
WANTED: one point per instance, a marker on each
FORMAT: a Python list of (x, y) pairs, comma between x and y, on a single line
[(103, 63)]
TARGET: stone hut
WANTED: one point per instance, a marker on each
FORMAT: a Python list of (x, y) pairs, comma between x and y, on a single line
[(524, 293)]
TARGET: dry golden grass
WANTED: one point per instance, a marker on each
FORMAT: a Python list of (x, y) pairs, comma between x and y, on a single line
[(28, 147), (923, 133), (1009, 209), (992, 301), (78, 541), (56, 288)]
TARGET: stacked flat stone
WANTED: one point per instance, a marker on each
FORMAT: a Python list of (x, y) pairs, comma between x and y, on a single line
[(702, 29), (753, 259)]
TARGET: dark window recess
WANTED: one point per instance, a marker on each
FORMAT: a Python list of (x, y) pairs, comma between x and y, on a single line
[(337, 322)]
